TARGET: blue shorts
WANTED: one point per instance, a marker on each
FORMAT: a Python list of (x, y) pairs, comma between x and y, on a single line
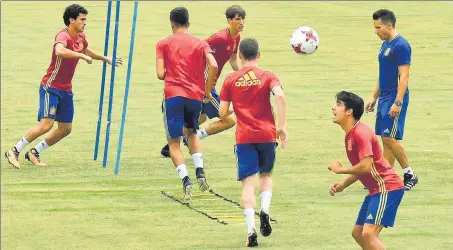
[(211, 109), (380, 209), (254, 158), (56, 104), (387, 126), (180, 112)]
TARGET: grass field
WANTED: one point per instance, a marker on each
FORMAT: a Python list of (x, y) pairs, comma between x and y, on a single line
[(76, 204)]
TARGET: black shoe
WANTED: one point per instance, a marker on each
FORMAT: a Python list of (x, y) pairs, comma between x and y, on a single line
[(265, 226), (165, 151), (185, 141), (410, 180), (252, 240), (201, 178), (187, 188)]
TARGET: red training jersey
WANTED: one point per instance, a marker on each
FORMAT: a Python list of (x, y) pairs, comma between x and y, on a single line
[(249, 90), (61, 70), (361, 142), (185, 63), (223, 46)]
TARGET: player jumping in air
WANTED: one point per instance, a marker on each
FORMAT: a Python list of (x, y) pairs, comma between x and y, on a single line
[(224, 45), (386, 188), (181, 63), (248, 89), (393, 92), (55, 92)]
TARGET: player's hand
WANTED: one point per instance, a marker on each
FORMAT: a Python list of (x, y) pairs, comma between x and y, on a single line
[(369, 107), (335, 188), (119, 61), (335, 166), (395, 110), (283, 136), (208, 97), (88, 59)]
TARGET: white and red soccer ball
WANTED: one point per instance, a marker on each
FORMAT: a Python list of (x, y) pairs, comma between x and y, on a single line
[(304, 40)]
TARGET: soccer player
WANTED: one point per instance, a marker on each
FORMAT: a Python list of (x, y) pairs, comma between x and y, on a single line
[(248, 89), (55, 92), (392, 91), (386, 188), (224, 45), (181, 63)]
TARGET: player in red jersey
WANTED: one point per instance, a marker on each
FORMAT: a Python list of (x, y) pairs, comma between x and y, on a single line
[(386, 188), (181, 63), (224, 45), (248, 89), (56, 97)]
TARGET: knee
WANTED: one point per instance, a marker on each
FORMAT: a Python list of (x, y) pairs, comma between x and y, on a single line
[(67, 131), (389, 141), (45, 127), (356, 234), (368, 235)]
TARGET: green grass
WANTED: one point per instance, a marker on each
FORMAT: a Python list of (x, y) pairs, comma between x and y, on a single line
[(76, 204)]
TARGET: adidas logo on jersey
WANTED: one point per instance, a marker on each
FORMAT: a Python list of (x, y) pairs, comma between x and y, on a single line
[(370, 217), (387, 131), (248, 79)]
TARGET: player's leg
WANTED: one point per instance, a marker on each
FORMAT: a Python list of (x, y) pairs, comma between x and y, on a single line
[(371, 238), (247, 160), (388, 154), (211, 109), (391, 140), (382, 209), (266, 161), (192, 111), (46, 116), (173, 112), (64, 116), (358, 227)]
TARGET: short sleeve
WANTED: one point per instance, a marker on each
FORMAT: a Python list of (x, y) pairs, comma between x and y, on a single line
[(206, 48), (364, 144), (225, 93), (160, 49), (273, 81), (212, 40), (85, 43), (237, 40), (403, 54), (61, 38)]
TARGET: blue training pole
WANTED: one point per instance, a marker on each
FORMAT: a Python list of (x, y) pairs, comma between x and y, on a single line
[(126, 91), (104, 70), (112, 83)]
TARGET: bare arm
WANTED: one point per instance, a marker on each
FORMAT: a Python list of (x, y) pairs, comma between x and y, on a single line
[(160, 69), (376, 91), (97, 56), (349, 181), (235, 64), (212, 72), (403, 71), (224, 109), (63, 52), (281, 106), (364, 166)]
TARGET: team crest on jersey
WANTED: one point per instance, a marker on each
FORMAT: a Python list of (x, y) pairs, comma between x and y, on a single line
[(81, 44), (349, 145), (387, 51), (52, 111), (228, 48)]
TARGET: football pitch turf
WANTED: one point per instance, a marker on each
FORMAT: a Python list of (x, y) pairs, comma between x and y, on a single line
[(76, 204)]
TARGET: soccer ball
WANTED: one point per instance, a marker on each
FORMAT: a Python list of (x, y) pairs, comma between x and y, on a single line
[(304, 40)]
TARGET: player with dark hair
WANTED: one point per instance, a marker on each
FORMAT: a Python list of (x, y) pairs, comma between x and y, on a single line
[(392, 91), (224, 45), (55, 92), (386, 188), (181, 62), (248, 89)]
